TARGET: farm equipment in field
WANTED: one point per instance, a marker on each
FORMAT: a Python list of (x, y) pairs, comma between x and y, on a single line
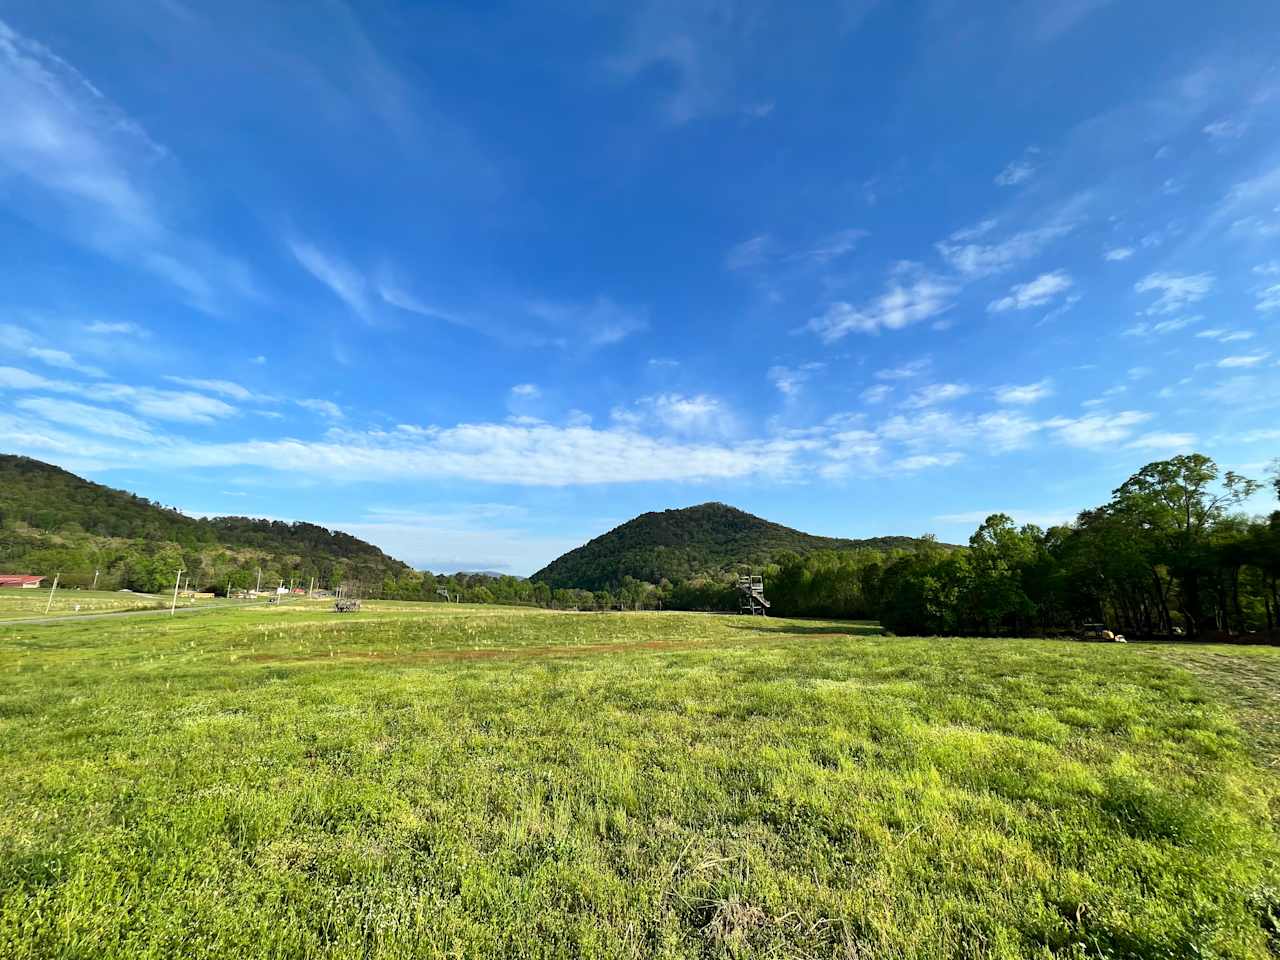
[(1098, 633), (751, 596)]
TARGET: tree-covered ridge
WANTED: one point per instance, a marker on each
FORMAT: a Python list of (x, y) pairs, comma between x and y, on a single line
[(684, 545), (52, 520)]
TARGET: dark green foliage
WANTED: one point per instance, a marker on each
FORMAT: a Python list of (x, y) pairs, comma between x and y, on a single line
[(683, 545), (1163, 557), (51, 520)]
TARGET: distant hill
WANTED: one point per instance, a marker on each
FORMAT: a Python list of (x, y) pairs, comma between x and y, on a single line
[(54, 521), (681, 544)]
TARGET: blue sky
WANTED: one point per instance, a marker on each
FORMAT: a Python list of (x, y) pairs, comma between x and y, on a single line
[(478, 282)]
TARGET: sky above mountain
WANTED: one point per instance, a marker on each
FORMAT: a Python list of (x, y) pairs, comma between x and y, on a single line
[(478, 282)]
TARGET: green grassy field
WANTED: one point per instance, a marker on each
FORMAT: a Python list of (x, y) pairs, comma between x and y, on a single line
[(26, 604), (481, 782)]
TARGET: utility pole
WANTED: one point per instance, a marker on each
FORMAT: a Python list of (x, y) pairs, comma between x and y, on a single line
[(228, 589), (311, 590), (176, 580), (48, 606), (95, 581), (258, 588)]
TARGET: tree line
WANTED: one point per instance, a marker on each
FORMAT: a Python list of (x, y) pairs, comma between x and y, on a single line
[(1169, 554)]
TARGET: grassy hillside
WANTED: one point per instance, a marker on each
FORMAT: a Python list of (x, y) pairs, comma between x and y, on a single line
[(485, 783), (52, 520), (678, 545)]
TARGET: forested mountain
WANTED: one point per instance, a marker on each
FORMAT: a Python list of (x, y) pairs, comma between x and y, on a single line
[(54, 521), (682, 545)]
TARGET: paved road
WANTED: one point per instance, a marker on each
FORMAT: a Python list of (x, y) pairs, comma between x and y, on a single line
[(113, 614)]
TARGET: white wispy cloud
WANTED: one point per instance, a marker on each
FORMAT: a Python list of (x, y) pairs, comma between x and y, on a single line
[(343, 280), (996, 432), (1116, 254), (749, 253), (1269, 435), (1268, 299), (973, 259), (1245, 392), (763, 249), (1162, 327), (527, 391), (936, 393), (1017, 171), (905, 371), (1034, 293), (97, 420), (1244, 360), (63, 360), (19, 342), (1225, 336), (105, 328), (1168, 442), (912, 295), (924, 461), (878, 393), (667, 437), (677, 413), (91, 173), (1251, 206), (1228, 128), (1259, 227), (790, 380), (225, 388), (326, 408), (597, 323), (1024, 394), (396, 294), (707, 56), (1097, 430), (831, 247), (148, 402), (1176, 291)]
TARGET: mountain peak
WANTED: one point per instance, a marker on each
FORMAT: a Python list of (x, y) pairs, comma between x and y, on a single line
[(679, 544)]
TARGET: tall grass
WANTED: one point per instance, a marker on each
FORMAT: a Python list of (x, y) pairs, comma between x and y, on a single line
[(480, 782)]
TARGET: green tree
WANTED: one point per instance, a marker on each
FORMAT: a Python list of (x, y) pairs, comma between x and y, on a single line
[(1174, 503), (998, 553)]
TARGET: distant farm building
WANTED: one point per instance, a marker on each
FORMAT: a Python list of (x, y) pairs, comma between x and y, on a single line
[(23, 580)]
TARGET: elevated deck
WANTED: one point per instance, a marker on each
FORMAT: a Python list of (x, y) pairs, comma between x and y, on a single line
[(751, 596)]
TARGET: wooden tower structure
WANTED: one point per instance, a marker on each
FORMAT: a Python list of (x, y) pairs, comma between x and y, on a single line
[(751, 596)]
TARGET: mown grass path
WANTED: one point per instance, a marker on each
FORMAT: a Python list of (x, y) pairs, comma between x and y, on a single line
[(481, 782)]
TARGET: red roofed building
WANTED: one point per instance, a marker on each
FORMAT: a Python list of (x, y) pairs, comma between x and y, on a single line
[(19, 580)]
